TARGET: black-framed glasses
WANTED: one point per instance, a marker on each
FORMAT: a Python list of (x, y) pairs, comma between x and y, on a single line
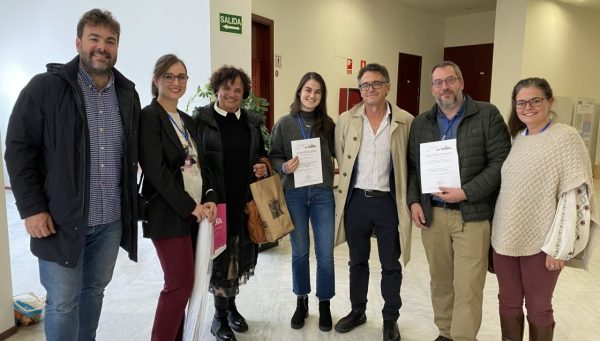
[(170, 78), (376, 85), (450, 81), (534, 102)]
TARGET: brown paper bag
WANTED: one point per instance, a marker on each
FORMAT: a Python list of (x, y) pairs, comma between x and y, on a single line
[(275, 221)]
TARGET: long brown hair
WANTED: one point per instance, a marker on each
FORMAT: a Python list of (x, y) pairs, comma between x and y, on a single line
[(323, 125)]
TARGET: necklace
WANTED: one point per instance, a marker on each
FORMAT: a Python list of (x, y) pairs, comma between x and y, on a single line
[(306, 124), (304, 134)]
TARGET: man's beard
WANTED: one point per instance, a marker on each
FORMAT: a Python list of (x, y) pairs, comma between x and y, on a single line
[(101, 69), (449, 103)]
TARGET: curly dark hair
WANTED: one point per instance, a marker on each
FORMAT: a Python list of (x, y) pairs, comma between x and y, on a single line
[(228, 74)]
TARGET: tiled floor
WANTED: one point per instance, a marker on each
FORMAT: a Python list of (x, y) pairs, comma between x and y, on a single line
[(268, 303)]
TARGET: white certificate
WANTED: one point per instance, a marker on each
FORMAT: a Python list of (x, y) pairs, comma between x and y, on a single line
[(439, 166), (310, 169)]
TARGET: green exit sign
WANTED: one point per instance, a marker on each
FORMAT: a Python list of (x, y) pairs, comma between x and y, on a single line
[(230, 23)]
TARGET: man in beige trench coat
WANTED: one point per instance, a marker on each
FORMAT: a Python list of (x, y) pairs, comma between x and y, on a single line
[(371, 144)]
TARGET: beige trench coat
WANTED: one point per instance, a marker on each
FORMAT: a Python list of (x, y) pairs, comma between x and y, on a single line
[(348, 136)]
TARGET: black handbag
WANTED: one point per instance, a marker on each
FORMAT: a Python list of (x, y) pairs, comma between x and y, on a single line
[(143, 202)]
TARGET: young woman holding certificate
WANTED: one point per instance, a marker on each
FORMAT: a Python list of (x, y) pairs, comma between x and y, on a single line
[(308, 201)]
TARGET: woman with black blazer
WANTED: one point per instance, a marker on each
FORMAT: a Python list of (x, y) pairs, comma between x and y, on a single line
[(179, 181)]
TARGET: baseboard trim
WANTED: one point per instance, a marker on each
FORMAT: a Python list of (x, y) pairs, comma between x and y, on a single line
[(9, 332)]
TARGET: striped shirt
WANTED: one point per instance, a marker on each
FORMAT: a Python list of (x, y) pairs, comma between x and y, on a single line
[(106, 139)]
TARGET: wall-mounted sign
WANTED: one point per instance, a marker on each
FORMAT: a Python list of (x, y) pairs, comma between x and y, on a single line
[(349, 66), (363, 63), (230, 23)]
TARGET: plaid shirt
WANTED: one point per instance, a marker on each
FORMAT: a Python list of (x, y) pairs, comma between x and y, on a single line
[(106, 139)]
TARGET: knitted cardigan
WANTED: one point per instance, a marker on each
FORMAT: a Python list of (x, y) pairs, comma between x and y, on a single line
[(538, 171)]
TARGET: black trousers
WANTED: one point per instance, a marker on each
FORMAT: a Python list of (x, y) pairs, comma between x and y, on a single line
[(364, 215)]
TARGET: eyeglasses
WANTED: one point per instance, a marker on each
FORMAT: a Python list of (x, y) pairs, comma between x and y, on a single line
[(376, 85), (534, 102), (170, 78), (449, 81)]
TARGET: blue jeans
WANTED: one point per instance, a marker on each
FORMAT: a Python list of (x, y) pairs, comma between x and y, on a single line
[(316, 204), (74, 295)]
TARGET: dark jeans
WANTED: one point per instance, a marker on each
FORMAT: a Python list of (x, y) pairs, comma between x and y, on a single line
[(363, 215)]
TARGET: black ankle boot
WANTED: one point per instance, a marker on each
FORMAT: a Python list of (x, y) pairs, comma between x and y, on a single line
[(221, 330), (237, 322), (301, 312), (324, 316)]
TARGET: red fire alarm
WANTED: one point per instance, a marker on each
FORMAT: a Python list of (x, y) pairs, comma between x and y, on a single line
[(349, 66)]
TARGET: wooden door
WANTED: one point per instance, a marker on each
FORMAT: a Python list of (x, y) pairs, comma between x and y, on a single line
[(409, 83), (262, 62), (475, 62)]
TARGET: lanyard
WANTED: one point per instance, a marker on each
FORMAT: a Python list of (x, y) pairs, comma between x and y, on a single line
[(306, 136), (545, 127), (182, 130), (449, 124)]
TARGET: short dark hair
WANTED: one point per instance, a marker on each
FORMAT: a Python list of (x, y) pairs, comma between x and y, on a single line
[(162, 65), (227, 74), (374, 67), (447, 63), (514, 123), (96, 17)]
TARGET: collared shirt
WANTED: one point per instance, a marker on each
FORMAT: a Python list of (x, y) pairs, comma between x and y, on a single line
[(106, 140), (374, 156), (224, 113), (448, 127)]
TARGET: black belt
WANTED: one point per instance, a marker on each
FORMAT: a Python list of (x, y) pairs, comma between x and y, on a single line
[(446, 205), (371, 193)]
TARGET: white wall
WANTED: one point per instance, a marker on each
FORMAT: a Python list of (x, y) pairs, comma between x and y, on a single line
[(470, 29), (562, 44), (229, 48), (7, 319), (508, 51), (548, 39), (314, 35), (36, 32)]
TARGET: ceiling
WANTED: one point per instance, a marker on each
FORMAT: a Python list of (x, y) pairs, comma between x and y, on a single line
[(449, 8)]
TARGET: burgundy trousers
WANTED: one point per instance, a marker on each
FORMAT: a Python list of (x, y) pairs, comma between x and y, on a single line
[(176, 257), (526, 278)]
